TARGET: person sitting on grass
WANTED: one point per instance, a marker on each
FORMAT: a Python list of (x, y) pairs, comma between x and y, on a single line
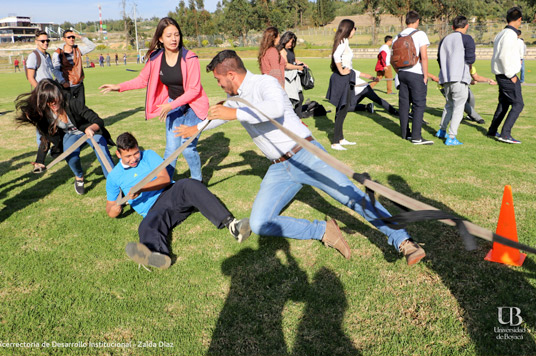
[(162, 203), (62, 121)]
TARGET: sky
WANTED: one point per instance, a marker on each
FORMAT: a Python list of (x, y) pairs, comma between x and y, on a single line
[(59, 11)]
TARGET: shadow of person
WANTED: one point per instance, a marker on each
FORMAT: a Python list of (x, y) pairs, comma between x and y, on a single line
[(323, 123), (38, 191), (262, 281), (480, 287), (11, 164), (320, 331), (213, 150), (110, 120)]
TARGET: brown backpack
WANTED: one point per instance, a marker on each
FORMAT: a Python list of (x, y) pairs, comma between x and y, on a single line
[(404, 52)]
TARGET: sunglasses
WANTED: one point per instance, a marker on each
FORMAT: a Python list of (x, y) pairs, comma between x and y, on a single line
[(44, 41), (71, 37)]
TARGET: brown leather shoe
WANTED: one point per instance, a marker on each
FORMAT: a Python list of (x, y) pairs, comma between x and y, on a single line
[(413, 252), (333, 238)]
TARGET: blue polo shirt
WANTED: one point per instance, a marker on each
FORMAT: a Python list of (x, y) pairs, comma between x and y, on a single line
[(121, 178)]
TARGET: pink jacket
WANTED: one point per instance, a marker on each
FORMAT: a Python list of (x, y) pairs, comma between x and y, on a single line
[(157, 93), (273, 64)]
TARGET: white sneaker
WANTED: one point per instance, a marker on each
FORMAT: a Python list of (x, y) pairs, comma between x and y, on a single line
[(240, 229), (345, 142), (337, 147)]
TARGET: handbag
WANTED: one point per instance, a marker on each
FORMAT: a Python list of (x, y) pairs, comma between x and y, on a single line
[(307, 79)]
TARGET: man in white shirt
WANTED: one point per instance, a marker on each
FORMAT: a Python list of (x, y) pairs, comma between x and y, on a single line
[(505, 64), (413, 82), (292, 166)]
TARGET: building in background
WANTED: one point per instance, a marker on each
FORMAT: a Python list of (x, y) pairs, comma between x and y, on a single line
[(22, 29)]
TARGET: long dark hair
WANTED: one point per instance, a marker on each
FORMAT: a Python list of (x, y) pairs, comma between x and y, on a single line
[(162, 24), (286, 38), (32, 108), (267, 41), (343, 31)]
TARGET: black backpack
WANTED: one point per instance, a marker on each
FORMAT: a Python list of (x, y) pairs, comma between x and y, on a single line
[(313, 108), (306, 78)]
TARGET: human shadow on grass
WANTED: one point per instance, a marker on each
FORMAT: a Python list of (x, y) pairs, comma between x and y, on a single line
[(15, 163), (110, 120), (262, 282), (480, 287)]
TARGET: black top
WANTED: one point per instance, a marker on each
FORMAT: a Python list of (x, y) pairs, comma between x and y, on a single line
[(172, 77), (291, 57)]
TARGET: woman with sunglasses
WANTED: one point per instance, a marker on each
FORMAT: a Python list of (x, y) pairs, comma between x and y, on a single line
[(172, 77), (346, 89), (62, 121), (269, 58)]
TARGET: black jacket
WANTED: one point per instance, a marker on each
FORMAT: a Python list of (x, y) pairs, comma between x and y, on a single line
[(82, 117)]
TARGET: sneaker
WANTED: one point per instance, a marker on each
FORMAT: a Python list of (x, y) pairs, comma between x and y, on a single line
[(422, 142), (508, 139), (441, 133), (345, 142), (240, 229), (333, 238), (370, 108), (452, 141), (79, 187), (494, 135), (413, 252), (337, 147), (479, 121), (141, 254)]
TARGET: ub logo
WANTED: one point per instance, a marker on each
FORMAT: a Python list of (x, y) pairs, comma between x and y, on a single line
[(509, 316)]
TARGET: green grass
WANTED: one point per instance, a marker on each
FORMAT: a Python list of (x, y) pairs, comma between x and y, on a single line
[(64, 276)]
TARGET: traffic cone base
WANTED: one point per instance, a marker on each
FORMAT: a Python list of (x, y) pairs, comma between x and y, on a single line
[(506, 227), (505, 258)]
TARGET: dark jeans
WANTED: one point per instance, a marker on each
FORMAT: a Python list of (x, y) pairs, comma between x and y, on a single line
[(174, 205), (509, 95), (77, 93), (369, 93), (412, 90)]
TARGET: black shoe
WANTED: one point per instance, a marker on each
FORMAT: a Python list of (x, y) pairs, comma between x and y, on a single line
[(493, 135), (79, 187), (480, 121), (422, 142), (370, 108)]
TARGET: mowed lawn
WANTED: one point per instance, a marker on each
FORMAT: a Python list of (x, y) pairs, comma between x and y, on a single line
[(67, 286)]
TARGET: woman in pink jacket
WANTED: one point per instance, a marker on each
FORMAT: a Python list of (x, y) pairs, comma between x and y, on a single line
[(172, 77)]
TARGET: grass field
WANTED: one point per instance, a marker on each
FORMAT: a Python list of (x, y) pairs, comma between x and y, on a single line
[(65, 281)]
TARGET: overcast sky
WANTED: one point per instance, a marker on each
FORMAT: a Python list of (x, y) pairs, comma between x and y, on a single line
[(59, 11)]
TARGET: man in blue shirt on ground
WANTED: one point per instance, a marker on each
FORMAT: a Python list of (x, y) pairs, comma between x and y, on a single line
[(162, 203)]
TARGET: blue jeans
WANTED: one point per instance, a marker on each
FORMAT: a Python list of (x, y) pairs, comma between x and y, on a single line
[(522, 72), (73, 160), (175, 118), (284, 180)]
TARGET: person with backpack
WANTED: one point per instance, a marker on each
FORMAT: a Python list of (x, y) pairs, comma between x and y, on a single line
[(293, 85), (456, 54), (346, 89), (410, 60), (383, 66), (505, 64), (67, 61)]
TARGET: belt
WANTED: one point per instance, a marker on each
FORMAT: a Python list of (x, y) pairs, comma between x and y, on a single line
[(292, 152)]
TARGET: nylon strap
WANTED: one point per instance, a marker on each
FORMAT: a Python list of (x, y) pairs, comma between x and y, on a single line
[(420, 211), (68, 151), (101, 155), (138, 186)]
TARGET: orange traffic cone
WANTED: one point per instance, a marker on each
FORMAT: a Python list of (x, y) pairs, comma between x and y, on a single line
[(506, 227)]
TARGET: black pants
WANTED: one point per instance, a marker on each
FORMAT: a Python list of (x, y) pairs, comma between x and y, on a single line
[(298, 104), (509, 94), (77, 93), (340, 115), (174, 205), (412, 90), (369, 93)]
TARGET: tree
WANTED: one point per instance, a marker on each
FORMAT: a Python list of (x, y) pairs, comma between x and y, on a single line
[(325, 12), (239, 19), (376, 9)]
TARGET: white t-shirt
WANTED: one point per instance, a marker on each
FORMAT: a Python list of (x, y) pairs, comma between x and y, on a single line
[(344, 54), (385, 48), (419, 39)]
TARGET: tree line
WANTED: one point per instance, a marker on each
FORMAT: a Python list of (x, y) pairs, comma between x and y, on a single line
[(239, 17)]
